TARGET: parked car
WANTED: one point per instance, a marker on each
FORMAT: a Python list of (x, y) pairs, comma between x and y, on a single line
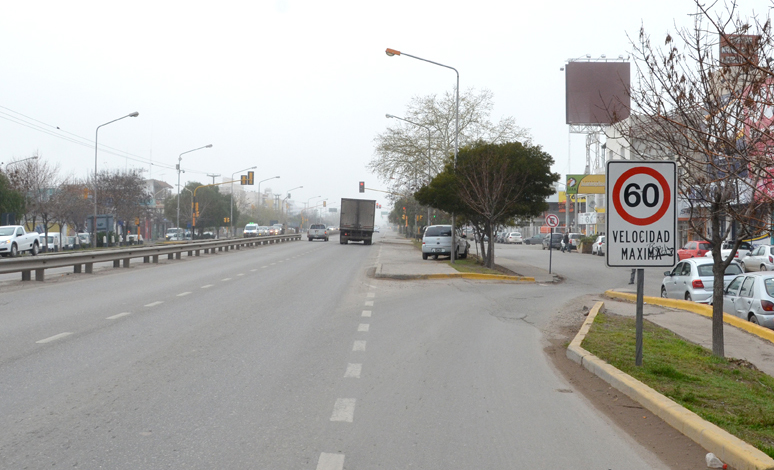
[(514, 237), (71, 243), (575, 241), (14, 239), (693, 249), (555, 241), (84, 239), (725, 250), (692, 279), (534, 240), (760, 259), (751, 297), (52, 243), (598, 247), (437, 241)]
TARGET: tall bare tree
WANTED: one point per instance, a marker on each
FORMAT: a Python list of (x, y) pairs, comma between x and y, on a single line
[(39, 182), (706, 100)]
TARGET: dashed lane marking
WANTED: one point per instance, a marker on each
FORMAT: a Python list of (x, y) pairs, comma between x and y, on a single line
[(371, 295), (123, 314), (183, 294), (363, 327), (226, 279), (207, 286), (369, 303), (359, 345), (240, 274), (253, 270), (366, 313), (53, 338), (264, 267), (153, 304), (344, 410), (330, 461), (353, 370)]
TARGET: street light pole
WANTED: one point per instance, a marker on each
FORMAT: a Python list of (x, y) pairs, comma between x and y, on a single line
[(390, 116), (179, 158), (286, 198), (260, 196), (34, 157), (231, 210), (96, 138), (393, 52)]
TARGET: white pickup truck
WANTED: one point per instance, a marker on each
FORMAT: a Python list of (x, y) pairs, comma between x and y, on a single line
[(14, 240), (317, 231)]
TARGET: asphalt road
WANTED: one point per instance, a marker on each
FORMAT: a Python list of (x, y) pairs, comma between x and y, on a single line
[(288, 356)]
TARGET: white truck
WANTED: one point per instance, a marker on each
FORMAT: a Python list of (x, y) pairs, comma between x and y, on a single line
[(317, 231), (14, 240), (357, 220)]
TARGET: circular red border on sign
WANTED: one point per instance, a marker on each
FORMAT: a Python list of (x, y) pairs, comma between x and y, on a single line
[(552, 218), (664, 186)]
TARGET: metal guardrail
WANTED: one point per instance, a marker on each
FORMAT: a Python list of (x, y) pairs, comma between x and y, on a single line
[(84, 261)]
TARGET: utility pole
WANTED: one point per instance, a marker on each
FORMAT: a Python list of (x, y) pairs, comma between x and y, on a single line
[(213, 177)]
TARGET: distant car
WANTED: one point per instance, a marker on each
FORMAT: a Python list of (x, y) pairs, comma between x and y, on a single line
[(173, 234), (280, 229), (534, 240), (514, 237), (251, 230), (84, 239), (760, 259), (598, 247), (376, 228), (751, 297), (555, 240), (725, 250), (693, 249), (263, 231), (317, 232), (692, 279), (575, 240), (71, 243)]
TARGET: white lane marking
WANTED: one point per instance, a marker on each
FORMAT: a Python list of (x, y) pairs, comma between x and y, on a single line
[(366, 313), (353, 370), (330, 461), (264, 267), (272, 264), (288, 259), (363, 327), (53, 338), (359, 345), (280, 261), (207, 286), (253, 270), (369, 303), (371, 295), (343, 410), (183, 294), (240, 274), (118, 315), (371, 286), (153, 304), (227, 279)]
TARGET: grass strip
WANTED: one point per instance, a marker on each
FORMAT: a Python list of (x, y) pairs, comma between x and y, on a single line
[(730, 393)]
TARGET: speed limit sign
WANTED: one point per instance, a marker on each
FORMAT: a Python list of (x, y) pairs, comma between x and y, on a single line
[(641, 214)]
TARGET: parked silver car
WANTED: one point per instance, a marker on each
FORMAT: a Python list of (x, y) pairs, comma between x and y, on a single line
[(692, 279), (751, 297), (759, 259), (437, 241)]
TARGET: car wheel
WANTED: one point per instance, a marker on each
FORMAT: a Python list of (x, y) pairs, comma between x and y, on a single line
[(14, 250), (35, 249), (326, 239), (763, 267), (688, 297), (663, 292), (435, 256), (754, 319), (424, 255)]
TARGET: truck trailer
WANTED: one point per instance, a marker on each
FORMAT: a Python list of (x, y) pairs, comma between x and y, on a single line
[(357, 220)]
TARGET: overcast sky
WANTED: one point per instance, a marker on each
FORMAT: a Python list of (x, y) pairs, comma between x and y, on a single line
[(297, 88)]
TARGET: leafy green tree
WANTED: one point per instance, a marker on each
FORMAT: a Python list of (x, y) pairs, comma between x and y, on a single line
[(11, 200), (492, 184)]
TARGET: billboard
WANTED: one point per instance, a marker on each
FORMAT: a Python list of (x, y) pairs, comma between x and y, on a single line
[(585, 184), (597, 92)]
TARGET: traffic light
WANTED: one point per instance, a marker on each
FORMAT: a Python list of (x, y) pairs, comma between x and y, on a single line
[(324, 203), (243, 180), (250, 177), (226, 220), (85, 193), (137, 221), (362, 186)]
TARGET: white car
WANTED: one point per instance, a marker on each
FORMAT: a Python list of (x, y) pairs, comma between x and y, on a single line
[(514, 237), (725, 250), (692, 279), (598, 247), (760, 259)]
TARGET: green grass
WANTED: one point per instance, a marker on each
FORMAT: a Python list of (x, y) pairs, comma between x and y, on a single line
[(471, 265), (730, 393)]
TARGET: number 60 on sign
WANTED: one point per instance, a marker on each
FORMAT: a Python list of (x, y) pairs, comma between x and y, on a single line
[(641, 219)]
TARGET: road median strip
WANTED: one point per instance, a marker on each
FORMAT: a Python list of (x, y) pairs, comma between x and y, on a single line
[(729, 448)]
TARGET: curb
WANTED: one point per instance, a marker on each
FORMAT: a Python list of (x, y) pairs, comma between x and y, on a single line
[(476, 276), (700, 309), (727, 447)]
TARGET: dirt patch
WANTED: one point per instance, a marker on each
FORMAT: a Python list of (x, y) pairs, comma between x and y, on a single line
[(674, 449)]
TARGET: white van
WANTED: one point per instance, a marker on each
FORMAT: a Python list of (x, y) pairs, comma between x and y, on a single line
[(54, 242), (437, 240)]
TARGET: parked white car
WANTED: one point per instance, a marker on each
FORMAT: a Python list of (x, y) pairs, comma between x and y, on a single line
[(725, 250), (514, 237), (692, 279), (598, 247), (760, 259)]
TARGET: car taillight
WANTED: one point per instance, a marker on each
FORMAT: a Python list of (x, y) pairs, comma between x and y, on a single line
[(736, 255), (697, 284), (767, 306), (771, 260)]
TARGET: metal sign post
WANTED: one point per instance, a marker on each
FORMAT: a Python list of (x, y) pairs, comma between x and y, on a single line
[(641, 221), (553, 222)]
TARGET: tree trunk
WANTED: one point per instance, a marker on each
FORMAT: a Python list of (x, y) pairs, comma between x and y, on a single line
[(718, 271)]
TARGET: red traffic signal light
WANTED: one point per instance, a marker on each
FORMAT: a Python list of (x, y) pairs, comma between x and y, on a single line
[(362, 186)]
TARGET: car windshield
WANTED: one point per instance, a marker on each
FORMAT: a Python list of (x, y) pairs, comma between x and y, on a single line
[(437, 231), (6, 231), (768, 284), (251, 227), (705, 270)]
